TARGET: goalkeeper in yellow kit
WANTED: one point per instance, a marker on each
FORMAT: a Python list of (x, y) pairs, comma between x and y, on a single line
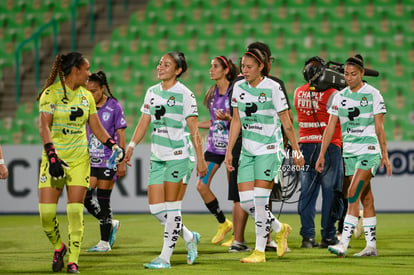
[(65, 108)]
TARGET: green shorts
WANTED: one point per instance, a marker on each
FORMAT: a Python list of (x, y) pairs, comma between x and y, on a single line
[(77, 175), (364, 162), (263, 167), (171, 171)]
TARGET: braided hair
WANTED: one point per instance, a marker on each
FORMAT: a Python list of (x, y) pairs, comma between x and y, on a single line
[(100, 77), (63, 65)]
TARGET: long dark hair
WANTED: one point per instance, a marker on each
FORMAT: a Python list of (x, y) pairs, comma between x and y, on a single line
[(230, 76), (260, 58), (63, 65), (180, 61), (100, 78)]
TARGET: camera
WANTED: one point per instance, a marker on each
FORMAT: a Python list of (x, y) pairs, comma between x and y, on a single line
[(323, 75)]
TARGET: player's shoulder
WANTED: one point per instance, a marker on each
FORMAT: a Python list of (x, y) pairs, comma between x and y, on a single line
[(276, 79), (367, 88)]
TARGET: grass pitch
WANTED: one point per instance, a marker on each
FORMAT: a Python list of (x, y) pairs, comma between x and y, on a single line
[(24, 249)]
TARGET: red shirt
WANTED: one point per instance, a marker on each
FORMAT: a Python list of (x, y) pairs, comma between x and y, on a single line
[(313, 121)]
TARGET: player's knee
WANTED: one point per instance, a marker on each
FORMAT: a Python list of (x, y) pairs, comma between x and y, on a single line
[(158, 210), (48, 215)]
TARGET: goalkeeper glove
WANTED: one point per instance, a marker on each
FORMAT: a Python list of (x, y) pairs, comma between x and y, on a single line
[(118, 153), (56, 165)]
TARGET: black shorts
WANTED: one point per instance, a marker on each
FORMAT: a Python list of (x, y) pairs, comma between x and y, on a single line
[(212, 157), (103, 173)]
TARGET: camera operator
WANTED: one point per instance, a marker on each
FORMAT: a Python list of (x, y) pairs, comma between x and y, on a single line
[(312, 106)]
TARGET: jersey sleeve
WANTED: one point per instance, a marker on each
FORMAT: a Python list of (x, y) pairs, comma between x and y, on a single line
[(120, 121), (330, 100), (47, 101), (91, 102), (189, 105), (379, 104), (333, 110), (145, 106), (234, 95), (279, 99)]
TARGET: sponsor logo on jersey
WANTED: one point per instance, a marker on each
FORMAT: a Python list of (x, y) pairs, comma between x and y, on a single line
[(364, 102), (371, 147), (178, 152), (270, 147), (96, 160), (106, 116), (66, 131)]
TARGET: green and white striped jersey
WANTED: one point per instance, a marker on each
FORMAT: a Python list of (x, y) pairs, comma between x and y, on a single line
[(356, 111), (169, 111), (258, 107)]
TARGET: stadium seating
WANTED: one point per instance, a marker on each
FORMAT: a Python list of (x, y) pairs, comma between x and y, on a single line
[(382, 31)]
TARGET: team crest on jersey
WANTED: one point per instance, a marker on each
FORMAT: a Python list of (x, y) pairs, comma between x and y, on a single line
[(52, 107), (106, 116), (171, 101), (364, 102), (84, 101), (262, 98)]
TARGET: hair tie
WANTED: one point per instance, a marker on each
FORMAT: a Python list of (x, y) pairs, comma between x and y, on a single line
[(252, 54)]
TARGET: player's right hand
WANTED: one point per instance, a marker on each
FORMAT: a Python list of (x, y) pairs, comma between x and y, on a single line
[(128, 155), (56, 165)]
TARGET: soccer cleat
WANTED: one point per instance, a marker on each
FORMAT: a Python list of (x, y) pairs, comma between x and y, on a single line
[(338, 249), (239, 247), (271, 246), (102, 246), (359, 228), (229, 242), (157, 263), (367, 251), (115, 227), (58, 264), (256, 257), (192, 245), (281, 239), (222, 230), (327, 242), (72, 268)]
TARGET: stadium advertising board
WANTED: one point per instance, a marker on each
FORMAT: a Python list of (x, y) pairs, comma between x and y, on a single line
[(18, 194)]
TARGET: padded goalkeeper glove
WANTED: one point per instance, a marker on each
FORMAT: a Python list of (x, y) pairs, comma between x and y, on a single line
[(118, 153), (56, 165)]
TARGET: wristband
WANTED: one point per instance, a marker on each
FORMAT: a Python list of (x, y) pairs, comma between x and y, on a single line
[(1, 161), (132, 144), (110, 142)]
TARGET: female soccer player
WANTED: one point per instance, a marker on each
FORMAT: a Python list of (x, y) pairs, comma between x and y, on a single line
[(360, 109), (223, 71), (65, 107), (172, 108), (260, 108), (112, 118)]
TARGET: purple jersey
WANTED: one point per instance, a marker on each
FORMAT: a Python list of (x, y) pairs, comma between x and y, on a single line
[(112, 118), (218, 136)]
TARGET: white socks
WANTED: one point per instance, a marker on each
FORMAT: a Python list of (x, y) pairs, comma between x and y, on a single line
[(350, 223), (370, 230), (172, 229), (158, 210)]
